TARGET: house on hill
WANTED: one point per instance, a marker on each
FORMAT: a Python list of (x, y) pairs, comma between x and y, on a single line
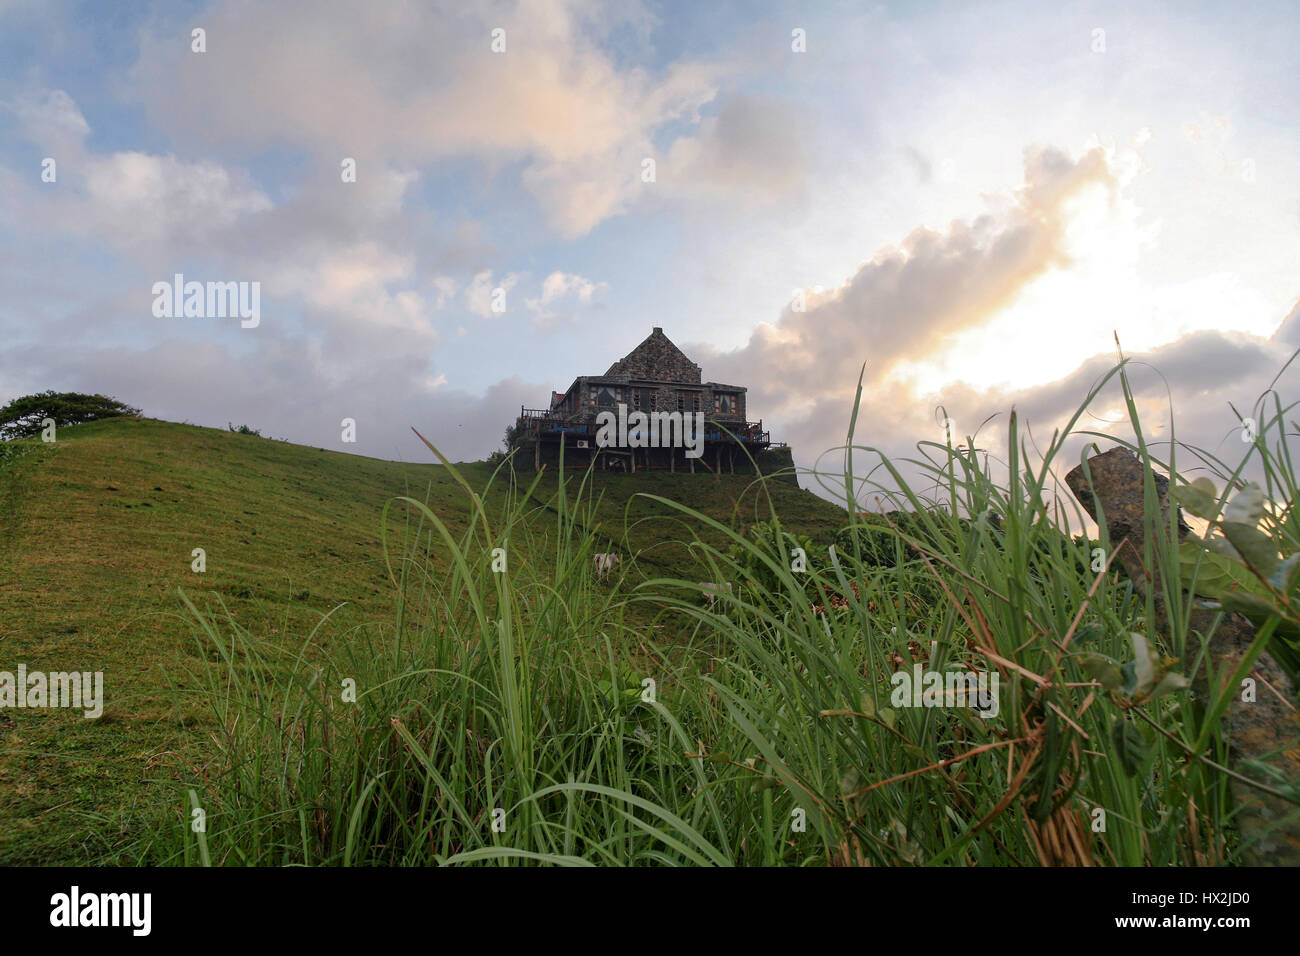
[(654, 383)]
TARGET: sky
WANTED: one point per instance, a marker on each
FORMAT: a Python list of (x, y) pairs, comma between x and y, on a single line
[(965, 204)]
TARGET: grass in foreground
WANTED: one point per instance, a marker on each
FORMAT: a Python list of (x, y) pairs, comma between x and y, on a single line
[(528, 715), (96, 536)]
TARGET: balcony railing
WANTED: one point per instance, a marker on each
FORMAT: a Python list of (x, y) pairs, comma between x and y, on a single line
[(542, 423)]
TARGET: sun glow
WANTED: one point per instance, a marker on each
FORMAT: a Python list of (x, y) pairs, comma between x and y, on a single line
[(1108, 284)]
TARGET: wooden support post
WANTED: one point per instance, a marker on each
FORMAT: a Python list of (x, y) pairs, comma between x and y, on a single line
[(537, 453)]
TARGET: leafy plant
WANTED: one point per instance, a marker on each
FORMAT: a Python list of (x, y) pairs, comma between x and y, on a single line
[(1240, 564), (1146, 678)]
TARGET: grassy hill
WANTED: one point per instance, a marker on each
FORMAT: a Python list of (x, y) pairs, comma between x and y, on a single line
[(352, 681), (97, 534)]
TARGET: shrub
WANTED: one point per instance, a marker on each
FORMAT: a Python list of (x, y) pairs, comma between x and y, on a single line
[(25, 417)]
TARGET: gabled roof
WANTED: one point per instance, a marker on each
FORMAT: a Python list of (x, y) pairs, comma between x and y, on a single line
[(657, 351)]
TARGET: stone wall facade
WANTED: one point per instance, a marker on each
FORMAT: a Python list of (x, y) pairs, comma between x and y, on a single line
[(655, 376), (656, 359)]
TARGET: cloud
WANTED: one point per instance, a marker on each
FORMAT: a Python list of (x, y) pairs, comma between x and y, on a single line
[(559, 288), (348, 253), (415, 83), (1288, 332), (344, 277), (482, 293), (134, 198), (906, 301), (445, 288), (283, 390), (49, 117), (1186, 388), (559, 285), (754, 148), (139, 203), (905, 304)]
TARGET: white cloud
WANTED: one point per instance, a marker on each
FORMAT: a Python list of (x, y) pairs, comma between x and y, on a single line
[(482, 293), (445, 288), (141, 203), (557, 289), (49, 117), (414, 83), (142, 199), (560, 285)]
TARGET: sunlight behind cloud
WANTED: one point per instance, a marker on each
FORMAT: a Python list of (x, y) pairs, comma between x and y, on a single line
[(1100, 289)]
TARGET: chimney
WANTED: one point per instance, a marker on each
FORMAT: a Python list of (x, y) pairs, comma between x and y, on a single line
[(657, 329)]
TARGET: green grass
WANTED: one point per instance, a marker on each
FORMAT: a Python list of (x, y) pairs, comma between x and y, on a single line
[(422, 707), (96, 542)]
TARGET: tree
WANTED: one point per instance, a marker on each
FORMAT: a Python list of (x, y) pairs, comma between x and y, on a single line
[(23, 417), (511, 441), (512, 437)]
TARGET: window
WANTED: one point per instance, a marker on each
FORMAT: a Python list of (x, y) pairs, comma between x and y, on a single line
[(695, 400), (636, 398), (724, 404), (681, 401)]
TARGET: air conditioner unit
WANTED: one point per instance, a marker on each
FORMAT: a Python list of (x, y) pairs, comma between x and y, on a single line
[(582, 443)]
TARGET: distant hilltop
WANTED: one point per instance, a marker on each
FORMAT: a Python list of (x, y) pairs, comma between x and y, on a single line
[(650, 410)]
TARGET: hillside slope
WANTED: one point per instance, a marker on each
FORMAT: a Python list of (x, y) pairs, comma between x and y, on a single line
[(97, 534)]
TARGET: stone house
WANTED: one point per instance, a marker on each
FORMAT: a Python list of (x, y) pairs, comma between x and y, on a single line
[(654, 377)]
